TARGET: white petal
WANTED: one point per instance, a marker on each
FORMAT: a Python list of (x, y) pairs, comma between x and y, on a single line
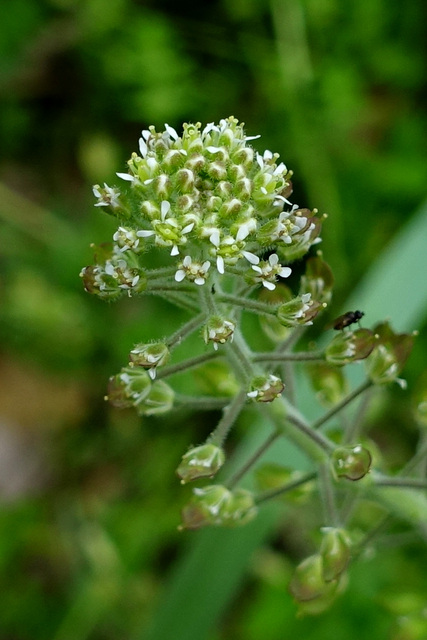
[(164, 209), (252, 394), (199, 281), (214, 238), (96, 191), (143, 147), (179, 275), (252, 137), (213, 149), (148, 181), (143, 233), (206, 265), (210, 127), (242, 233), (250, 257), (257, 269), (264, 190), (188, 228), (175, 251), (171, 131), (269, 285), (187, 261), (273, 259), (260, 160), (220, 264), (268, 154), (146, 134), (135, 280), (285, 272), (306, 297), (126, 176), (152, 373)]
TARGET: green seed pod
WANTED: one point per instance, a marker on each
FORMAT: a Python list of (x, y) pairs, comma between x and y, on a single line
[(200, 462), (335, 552), (352, 462)]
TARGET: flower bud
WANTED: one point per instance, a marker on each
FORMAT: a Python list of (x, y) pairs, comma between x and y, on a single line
[(217, 170), (349, 346), (159, 400), (216, 505), (265, 388), (329, 382), (162, 186), (185, 180), (150, 356), (351, 462), (218, 331), (389, 356), (128, 388), (299, 311), (308, 583), (200, 462), (335, 552)]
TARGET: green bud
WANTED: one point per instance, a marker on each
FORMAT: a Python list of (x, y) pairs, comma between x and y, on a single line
[(299, 311), (349, 346), (185, 180), (216, 505), (265, 388), (390, 355), (351, 462), (335, 551), (218, 331), (308, 583), (150, 356), (159, 400), (201, 462), (128, 388)]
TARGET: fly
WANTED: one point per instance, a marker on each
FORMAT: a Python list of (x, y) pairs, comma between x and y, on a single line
[(347, 319)]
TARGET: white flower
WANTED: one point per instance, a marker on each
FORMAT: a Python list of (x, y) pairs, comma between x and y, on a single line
[(194, 271), (269, 270), (107, 197)]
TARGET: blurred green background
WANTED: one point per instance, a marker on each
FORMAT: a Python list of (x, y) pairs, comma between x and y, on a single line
[(89, 500)]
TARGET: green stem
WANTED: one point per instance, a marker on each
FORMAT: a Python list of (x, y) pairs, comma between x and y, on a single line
[(341, 405), (187, 364), (327, 494), (231, 482), (206, 403), (247, 304), (229, 417), (292, 425), (289, 486), (186, 329), (274, 356), (403, 483)]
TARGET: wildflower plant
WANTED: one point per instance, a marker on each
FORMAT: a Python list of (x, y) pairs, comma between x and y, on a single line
[(217, 216)]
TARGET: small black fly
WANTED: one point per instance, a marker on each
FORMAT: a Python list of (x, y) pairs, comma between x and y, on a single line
[(347, 319)]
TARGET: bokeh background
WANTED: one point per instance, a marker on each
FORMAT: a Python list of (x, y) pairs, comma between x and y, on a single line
[(89, 500)]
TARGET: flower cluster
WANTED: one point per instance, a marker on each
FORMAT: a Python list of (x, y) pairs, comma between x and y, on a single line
[(205, 221), (211, 201)]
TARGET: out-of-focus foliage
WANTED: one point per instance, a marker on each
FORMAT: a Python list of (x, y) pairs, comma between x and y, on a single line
[(89, 507)]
